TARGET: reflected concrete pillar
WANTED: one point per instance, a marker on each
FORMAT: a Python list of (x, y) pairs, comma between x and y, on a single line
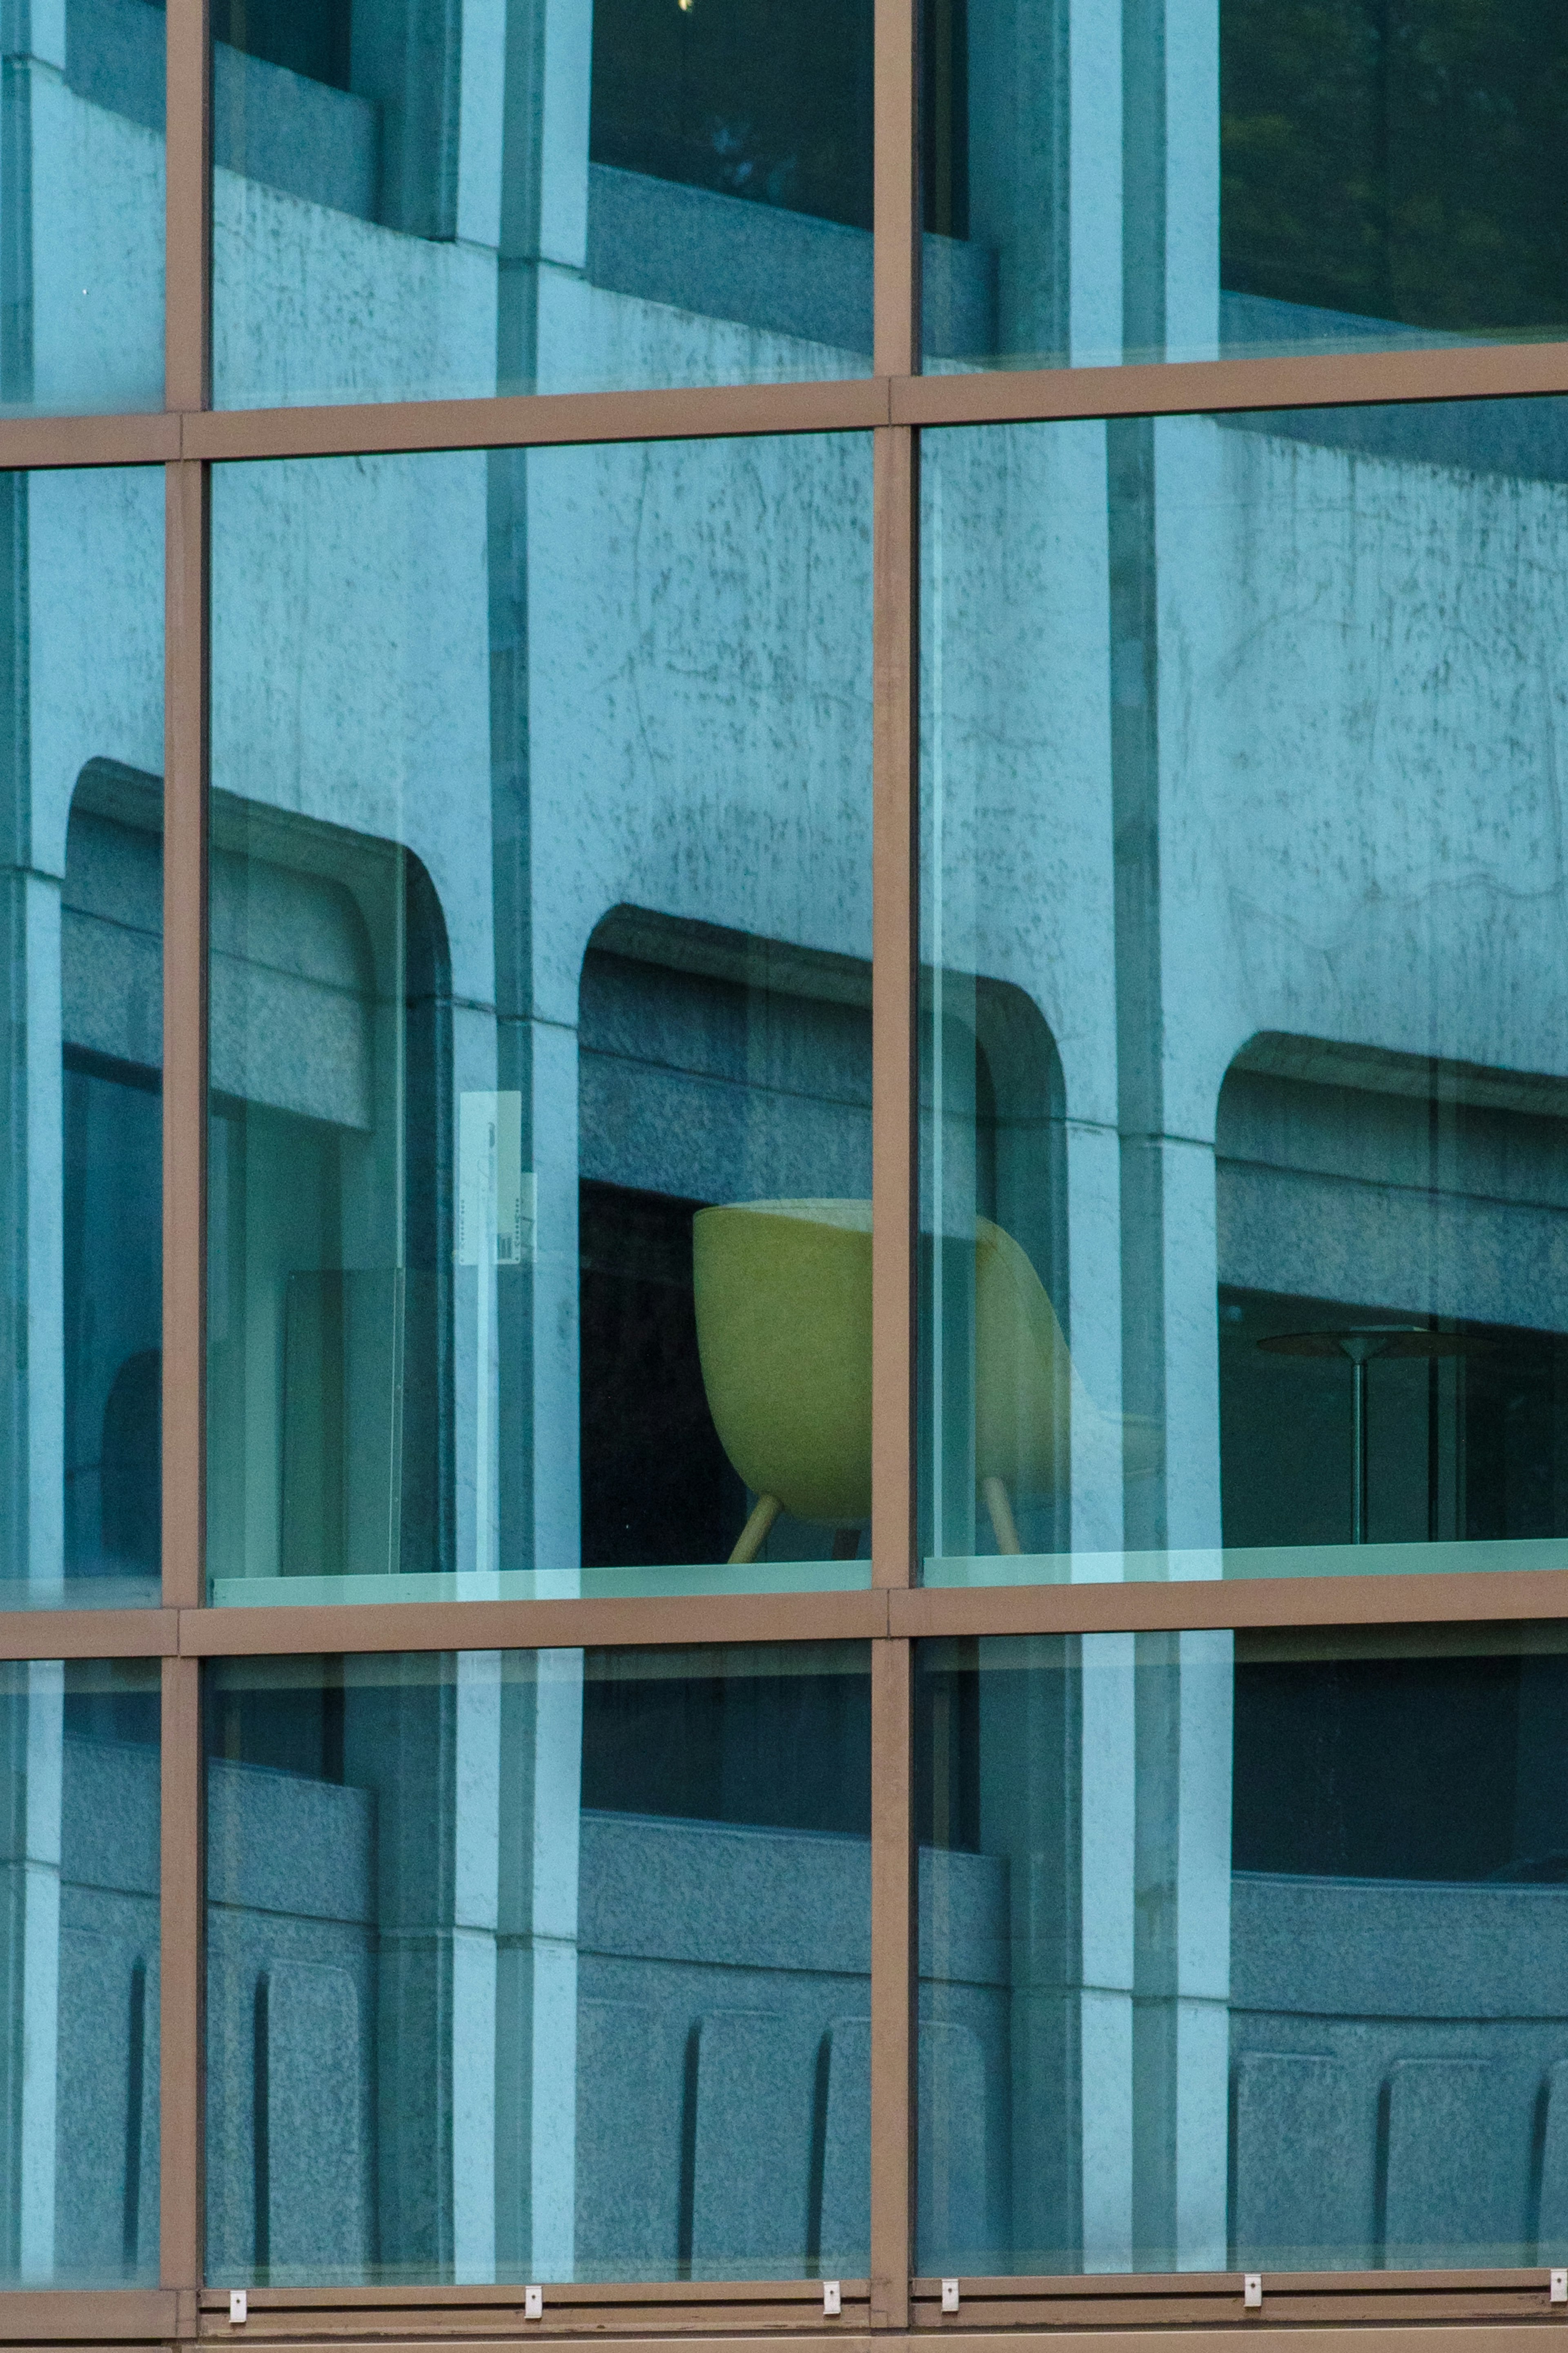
[(949, 1204), (32, 1400), (1170, 1344), (31, 1757), (556, 1422), (538, 1425), (1045, 172), (1094, 1247), (41, 1965), (1170, 219), (1057, 1799), (481, 121), (517, 1730), (536, 2051), (544, 210), (476, 1921), (1171, 1399), (1181, 2012)]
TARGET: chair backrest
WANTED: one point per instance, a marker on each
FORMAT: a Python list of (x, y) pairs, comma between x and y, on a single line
[(1023, 1373), (784, 1329)]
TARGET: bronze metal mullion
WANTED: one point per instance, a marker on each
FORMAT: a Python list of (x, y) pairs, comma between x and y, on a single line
[(896, 256), (187, 241), (717, 411), (895, 1205), (894, 957), (1477, 1598), (184, 1381), (85, 2315), (185, 1031)]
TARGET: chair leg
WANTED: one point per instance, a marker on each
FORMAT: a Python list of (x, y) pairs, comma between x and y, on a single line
[(1003, 1525), (755, 1535)]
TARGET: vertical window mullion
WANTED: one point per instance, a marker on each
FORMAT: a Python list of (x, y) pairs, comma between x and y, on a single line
[(181, 2135), (187, 290), (895, 199), (894, 1222)]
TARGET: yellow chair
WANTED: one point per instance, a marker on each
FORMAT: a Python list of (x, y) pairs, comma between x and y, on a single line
[(784, 1330)]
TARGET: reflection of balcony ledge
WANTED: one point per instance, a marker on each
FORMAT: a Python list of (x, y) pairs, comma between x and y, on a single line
[(727, 257), (275, 126)]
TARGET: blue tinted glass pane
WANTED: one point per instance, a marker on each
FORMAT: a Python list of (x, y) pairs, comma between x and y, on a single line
[(82, 686), (1246, 1141), (539, 1966), (1258, 177), (79, 1942), (82, 280), (540, 1176), (414, 201), (1243, 1952)]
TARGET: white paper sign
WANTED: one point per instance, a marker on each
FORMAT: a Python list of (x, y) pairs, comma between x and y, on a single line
[(495, 1196)]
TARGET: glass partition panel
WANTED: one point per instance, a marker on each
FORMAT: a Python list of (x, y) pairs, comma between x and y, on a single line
[(1243, 1952), (81, 280), (540, 1174), (1244, 1138), (79, 1942), (1239, 177), (539, 1966), (81, 724), (416, 200)]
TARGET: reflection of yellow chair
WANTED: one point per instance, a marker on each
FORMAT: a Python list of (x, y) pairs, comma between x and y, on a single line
[(784, 1328)]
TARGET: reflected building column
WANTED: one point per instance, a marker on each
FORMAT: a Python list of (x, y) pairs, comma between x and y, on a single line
[(32, 1413), (537, 2004), (1045, 172), (1170, 1401), (30, 1794), (1058, 1801), (539, 1511), (544, 198), (1181, 2012), (1170, 215)]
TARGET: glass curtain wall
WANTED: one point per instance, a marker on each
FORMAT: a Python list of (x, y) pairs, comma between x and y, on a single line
[(540, 1165), (1243, 1951), (414, 201), (82, 265), (1204, 179), (81, 663), (79, 1947), (539, 1966), (1244, 1145)]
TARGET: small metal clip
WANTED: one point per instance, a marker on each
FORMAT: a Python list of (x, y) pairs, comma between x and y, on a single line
[(832, 2301), (238, 2307), (534, 2304), (950, 2296), (1559, 2287), (1252, 2290)]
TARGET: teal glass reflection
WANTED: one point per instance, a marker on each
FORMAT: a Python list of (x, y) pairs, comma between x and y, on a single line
[(1243, 1952), (81, 682), (1245, 1114), (413, 202), (1244, 177), (539, 1966), (79, 1933), (81, 284), (540, 1171)]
